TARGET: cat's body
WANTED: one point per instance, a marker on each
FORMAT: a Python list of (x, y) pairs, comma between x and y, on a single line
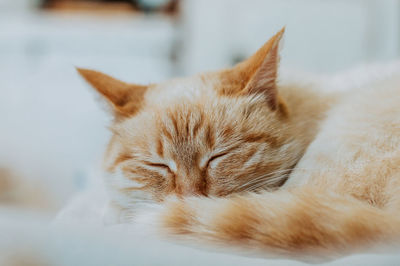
[(288, 169)]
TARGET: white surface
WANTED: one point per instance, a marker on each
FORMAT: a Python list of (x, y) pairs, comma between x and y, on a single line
[(30, 237)]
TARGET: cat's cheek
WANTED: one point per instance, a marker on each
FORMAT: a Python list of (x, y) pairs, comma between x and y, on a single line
[(147, 221)]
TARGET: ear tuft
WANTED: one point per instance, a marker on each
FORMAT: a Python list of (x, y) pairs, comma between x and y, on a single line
[(264, 79), (125, 99), (258, 74)]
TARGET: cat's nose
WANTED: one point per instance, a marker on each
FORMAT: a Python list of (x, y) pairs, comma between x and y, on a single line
[(190, 189)]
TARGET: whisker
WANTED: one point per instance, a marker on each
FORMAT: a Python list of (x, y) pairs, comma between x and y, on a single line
[(267, 175), (267, 182), (248, 185), (269, 179)]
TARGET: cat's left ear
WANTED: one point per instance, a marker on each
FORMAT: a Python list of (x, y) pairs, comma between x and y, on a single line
[(257, 74), (125, 99)]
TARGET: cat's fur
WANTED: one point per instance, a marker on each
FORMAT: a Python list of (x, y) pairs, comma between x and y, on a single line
[(236, 158)]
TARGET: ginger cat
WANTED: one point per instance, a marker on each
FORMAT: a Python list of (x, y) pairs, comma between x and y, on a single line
[(236, 158)]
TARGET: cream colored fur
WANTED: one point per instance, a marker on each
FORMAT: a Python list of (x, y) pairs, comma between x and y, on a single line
[(286, 167)]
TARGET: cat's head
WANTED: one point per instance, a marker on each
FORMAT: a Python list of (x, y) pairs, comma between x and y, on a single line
[(212, 134)]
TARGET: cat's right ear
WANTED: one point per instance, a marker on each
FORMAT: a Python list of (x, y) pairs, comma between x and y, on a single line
[(125, 99)]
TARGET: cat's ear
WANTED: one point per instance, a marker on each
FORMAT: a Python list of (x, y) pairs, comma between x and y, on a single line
[(125, 99), (258, 74)]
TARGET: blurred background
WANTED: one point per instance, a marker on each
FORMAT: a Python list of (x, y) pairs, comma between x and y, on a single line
[(52, 130)]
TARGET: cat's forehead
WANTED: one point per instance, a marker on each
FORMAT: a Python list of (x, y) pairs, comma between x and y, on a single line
[(182, 89), (194, 103)]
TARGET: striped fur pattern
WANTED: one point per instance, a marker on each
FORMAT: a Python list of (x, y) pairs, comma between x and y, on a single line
[(234, 157)]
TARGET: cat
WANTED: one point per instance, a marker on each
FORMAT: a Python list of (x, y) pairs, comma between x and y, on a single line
[(237, 158)]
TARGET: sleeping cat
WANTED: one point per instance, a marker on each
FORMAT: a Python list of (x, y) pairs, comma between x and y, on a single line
[(237, 158)]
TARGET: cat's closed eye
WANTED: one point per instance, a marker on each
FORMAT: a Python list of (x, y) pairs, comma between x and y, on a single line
[(159, 165), (213, 158)]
